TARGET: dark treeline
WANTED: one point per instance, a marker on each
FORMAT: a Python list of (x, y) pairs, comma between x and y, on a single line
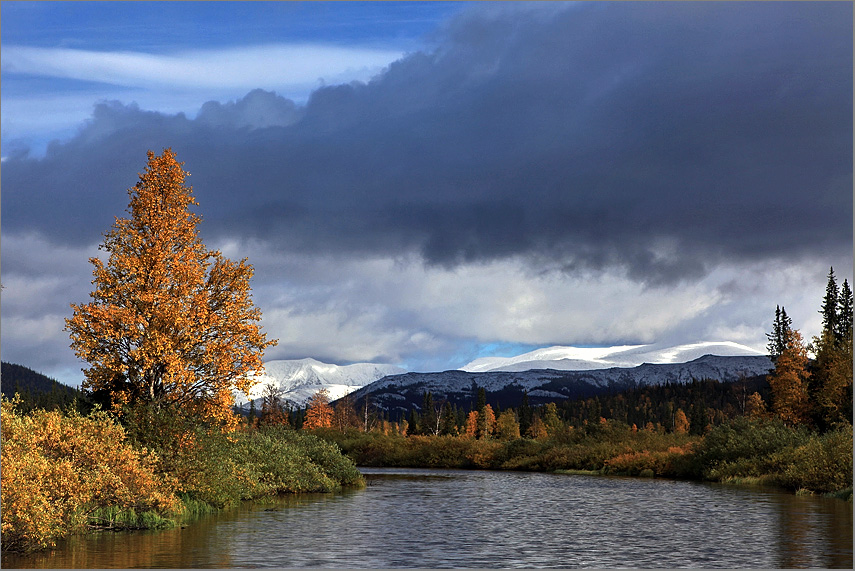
[(38, 391)]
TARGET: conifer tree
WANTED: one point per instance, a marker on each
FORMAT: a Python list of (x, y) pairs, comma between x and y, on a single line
[(472, 424), (171, 324), (525, 414), (829, 304), (448, 423), (780, 328), (429, 417), (844, 313)]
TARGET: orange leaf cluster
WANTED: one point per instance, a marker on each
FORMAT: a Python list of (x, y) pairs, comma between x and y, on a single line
[(170, 322), (59, 469), (319, 413)]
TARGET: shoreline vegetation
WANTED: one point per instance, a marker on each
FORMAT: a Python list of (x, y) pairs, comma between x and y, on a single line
[(65, 473), (743, 451)]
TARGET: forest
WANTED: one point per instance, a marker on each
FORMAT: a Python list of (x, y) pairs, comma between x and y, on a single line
[(171, 334)]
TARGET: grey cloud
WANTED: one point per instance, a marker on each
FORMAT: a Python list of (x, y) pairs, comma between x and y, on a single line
[(588, 138)]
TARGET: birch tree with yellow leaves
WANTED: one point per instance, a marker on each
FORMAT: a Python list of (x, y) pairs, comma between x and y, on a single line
[(170, 324)]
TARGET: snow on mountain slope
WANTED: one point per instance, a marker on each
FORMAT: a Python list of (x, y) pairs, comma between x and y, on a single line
[(591, 358), (301, 378), (399, 392)]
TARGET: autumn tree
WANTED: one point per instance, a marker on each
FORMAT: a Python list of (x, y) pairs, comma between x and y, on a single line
[(171, 324), (755, 406), (273, 411), (789, 381), (344, 414), (507, 427), (471, 428), (681, 422), (486, 422), (319, 413)]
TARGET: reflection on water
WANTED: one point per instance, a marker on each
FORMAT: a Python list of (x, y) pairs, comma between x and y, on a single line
[(447, 518)]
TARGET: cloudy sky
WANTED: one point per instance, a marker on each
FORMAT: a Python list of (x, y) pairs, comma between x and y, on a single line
[(426, 183)]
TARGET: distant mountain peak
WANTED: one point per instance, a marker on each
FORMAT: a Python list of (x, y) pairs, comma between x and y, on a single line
[(299, 379), (568, 358)]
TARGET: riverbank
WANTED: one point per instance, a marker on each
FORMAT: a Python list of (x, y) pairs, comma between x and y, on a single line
[(65, 473), (759, 451)]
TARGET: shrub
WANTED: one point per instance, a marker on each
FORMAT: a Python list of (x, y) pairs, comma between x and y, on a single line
[(823, 464), (59, 470), (747, 447)]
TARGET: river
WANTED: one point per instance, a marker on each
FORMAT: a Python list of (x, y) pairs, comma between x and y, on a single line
[(408, 518)]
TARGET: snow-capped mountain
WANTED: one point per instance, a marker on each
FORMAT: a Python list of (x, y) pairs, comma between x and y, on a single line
[(589, 358), (505, 388), (301, 378)]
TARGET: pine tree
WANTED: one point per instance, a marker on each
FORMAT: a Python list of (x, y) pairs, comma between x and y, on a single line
[(844, 313), (171, 324), (829, 304), (780, 329), (525, 414), (448, 424), (429, 419), (413, 423)]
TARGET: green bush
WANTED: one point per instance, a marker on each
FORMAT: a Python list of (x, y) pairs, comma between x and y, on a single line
[(747, 448), (823, 464)]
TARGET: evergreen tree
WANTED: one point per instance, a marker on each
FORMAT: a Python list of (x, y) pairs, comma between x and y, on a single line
[(844, 313), (252, 413), (413, 423), (448, 421), (482, 399), (525, 414), (429, 417), (698, 420), (780, 330), (829, 305)]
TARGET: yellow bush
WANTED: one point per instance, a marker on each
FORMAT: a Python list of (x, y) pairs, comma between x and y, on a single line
[(58, 469)]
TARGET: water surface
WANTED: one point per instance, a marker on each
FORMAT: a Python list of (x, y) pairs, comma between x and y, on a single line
[(450, 518)]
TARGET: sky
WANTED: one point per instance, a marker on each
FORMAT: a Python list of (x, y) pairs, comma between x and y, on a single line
[(426, 183)]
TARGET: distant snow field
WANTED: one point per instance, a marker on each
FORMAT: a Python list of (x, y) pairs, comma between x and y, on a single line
[(297, 380)]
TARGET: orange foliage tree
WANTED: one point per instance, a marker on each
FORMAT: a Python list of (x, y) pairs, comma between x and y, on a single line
[(170, 324), (789, 381), (319, 413), (681, 422)]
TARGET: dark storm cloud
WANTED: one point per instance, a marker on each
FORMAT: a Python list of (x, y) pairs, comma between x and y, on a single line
[(660, 138)]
